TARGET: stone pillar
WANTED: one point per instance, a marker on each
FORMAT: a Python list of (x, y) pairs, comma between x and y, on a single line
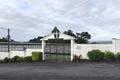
[(43, 49), (72, 49)]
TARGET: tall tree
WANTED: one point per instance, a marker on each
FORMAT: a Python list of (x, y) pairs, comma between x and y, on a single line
[(70, 32), (82, 37), (3, 39)]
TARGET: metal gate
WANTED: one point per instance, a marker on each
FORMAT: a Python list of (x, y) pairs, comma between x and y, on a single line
[(57, 50)]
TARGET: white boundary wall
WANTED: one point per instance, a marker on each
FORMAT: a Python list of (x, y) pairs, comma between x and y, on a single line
[(116, 45), (18, 53), (83, 49), (77, 49)]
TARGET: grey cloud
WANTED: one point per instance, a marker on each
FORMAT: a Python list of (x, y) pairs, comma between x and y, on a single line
[(31, 18)]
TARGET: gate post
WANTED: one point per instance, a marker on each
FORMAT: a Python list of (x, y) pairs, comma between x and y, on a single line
[(72, 49), (43, 50)]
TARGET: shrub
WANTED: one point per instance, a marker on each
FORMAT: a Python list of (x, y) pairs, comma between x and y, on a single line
[(95, 55), (6, 60), (118, 56), (109, 56), (28, 59), (1, 61), (36, 56), (16, 59), (20, 59), (76, 57)]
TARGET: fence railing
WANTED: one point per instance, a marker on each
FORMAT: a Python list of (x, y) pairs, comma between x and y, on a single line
[(19, 46), (22, 46)]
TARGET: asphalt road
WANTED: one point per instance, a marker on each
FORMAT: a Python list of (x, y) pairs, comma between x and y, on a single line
[(60, 71)]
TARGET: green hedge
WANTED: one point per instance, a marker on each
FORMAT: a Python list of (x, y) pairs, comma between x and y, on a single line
[(28, 59), (36, 56), (95, 55), (118, 56), (109, 56), (13, 60), (6, 60), (16, 59)]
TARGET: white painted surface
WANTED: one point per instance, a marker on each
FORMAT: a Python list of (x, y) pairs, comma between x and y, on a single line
[(63, 36), (18, 53), (83, 49), (3, 55), (43, 49), (76, 49), (72, 49), (116, 45)]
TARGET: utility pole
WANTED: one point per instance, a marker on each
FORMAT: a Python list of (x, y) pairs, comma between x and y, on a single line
[(8, 37), (8, 40)]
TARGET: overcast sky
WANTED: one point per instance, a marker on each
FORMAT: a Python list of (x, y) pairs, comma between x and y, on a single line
[(31, 18)]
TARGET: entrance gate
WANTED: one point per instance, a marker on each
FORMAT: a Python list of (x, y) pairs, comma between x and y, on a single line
[(57, 50)]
